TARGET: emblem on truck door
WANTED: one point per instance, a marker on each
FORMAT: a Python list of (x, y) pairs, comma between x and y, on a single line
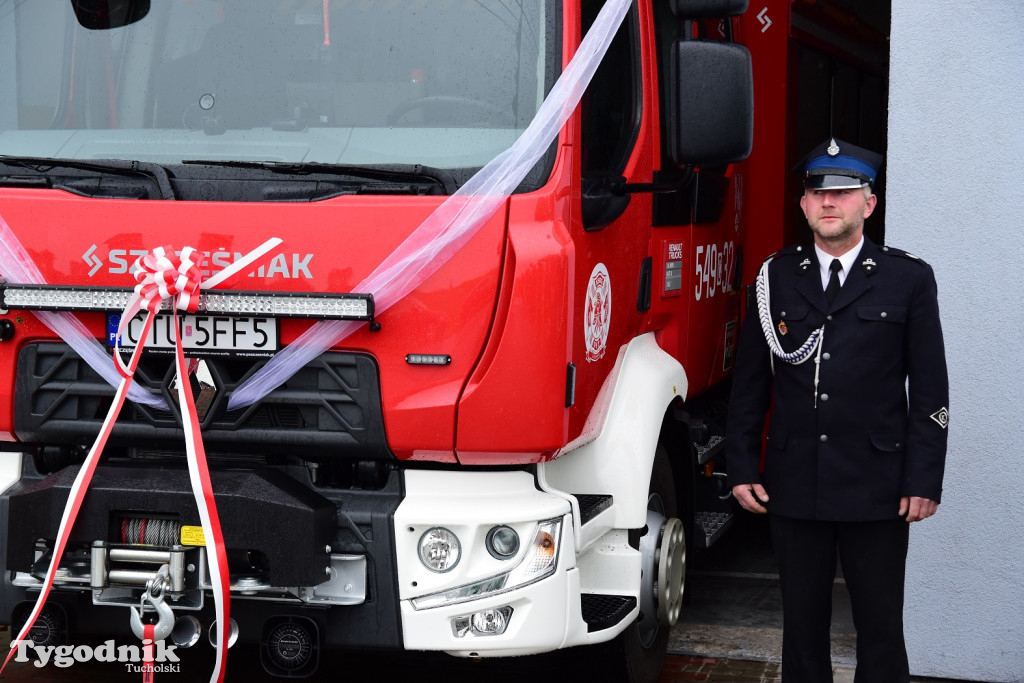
[(598, 314)]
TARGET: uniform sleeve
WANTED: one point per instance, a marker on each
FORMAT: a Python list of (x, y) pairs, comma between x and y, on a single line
[(928, 395), (749, 402)]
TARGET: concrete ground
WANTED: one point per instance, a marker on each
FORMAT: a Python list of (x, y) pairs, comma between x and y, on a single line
[(730, 632)]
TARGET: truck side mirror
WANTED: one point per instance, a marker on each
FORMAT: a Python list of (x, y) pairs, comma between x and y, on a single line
[(97, 15), (711, 108)]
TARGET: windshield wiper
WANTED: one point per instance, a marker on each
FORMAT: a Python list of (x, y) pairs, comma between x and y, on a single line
[(43, 165), (389, 173)]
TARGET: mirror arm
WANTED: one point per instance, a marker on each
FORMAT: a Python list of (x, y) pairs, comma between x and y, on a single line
[(657, 187)]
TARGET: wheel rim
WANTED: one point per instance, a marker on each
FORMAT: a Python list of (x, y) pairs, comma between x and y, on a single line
[(647, 622), (671, 571), (663, 560)]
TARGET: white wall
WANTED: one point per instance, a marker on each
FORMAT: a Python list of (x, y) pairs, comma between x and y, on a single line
[(955, 193)]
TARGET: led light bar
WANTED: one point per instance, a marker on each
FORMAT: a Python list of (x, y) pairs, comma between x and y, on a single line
[(267, 304)]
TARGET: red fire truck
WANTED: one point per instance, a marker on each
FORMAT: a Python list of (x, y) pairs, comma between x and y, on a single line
[(512, 456)]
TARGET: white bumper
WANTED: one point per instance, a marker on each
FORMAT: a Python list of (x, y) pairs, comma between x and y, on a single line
[(545, 614)]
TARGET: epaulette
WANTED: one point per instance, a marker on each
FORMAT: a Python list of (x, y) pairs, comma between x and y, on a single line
[(893, 251), (792, 250)]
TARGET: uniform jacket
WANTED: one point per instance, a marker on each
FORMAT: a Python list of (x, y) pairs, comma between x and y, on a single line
[(875, 428)]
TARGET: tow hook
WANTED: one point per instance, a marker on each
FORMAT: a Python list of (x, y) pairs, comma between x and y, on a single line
[(154, 595)]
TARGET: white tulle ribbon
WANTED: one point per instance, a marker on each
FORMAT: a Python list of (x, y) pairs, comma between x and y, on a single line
[(17, 267), (456, 221)]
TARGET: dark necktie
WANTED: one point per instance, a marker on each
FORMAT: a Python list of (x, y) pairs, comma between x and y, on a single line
[(833, 281)]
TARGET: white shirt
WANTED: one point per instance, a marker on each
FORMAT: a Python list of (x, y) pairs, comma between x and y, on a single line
[(847, 259)]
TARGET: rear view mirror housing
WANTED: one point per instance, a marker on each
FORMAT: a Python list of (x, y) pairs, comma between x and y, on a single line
[(98, 15), (711, 106)]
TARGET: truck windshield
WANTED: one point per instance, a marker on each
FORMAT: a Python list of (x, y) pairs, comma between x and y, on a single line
[(447, 84)]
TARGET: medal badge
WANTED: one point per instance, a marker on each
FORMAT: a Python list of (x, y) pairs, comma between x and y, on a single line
[(782, 327)]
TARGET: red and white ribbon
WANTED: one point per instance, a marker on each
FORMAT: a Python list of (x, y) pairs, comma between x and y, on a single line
[(149, 633), (162, 274)]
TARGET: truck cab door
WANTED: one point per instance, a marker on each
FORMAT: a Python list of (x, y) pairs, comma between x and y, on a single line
[(611, 233)]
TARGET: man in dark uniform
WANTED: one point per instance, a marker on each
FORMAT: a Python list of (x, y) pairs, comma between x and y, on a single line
[(844, 345)]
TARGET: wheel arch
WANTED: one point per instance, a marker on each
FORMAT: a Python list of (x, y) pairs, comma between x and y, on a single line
[(634, 407)]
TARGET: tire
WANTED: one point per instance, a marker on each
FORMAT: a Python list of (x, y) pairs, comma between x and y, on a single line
[(638, 653)]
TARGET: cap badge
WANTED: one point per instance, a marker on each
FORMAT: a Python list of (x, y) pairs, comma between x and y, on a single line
[(833, 148), (782, 327)]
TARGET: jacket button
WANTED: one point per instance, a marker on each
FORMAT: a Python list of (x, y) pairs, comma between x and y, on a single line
[(824, 397), (823, 438), (828, 317), (884, 314), (826, 356)]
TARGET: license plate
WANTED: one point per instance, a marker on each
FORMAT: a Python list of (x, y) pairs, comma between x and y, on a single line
[(200, 333)]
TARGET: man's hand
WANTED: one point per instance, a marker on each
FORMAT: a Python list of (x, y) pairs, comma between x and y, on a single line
[(751, 497), (913, 508)]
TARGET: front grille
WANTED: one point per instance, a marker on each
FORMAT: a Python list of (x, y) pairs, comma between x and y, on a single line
[(332, 404)]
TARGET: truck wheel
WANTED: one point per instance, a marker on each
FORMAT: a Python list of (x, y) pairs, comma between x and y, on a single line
[(639, 652)]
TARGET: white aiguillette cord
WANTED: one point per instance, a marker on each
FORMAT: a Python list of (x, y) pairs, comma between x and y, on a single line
[(811, 347)]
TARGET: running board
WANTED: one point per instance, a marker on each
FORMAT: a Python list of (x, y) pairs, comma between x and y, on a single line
[(710, 450), (591, 505), (605, 611), (708, 527)]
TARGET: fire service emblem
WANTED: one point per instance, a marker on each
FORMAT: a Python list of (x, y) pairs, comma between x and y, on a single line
[(598, 314)]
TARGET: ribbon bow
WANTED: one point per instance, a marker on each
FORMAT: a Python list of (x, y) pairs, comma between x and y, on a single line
[(162, 274)]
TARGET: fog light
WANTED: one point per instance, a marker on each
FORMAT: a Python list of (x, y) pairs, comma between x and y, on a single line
[(440, 549), (502, 542), (488, 622)]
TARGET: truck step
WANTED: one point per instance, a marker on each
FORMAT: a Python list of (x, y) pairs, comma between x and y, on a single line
[(711, 449), (709, 527), (591, 505), (604, 611)]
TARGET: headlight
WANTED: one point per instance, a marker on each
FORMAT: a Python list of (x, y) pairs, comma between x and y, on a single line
[(502, 542), (440, 549), (538, 562)]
